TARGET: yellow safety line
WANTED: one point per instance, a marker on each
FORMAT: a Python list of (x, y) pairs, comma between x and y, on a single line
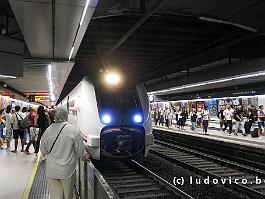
[(28, 186)]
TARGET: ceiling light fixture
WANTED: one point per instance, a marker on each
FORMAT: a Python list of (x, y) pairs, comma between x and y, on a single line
[(52, 97), (72, 49), (84, 12), (237, 77), (8, 76)]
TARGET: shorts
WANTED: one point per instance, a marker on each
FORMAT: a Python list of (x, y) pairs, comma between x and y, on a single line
[(261, 125), (8, 135), (18, 133)]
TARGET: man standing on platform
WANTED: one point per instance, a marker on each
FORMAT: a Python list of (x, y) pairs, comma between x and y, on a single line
[(228, 115), (238, 115), (18, 131), (261, 117)]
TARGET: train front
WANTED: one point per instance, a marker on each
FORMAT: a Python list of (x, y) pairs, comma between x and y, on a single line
[(127, 130)]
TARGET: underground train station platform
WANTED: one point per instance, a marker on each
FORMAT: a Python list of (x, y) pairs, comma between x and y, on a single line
[(215, 136)]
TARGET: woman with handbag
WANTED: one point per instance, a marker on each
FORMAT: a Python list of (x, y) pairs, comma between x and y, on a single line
[(62, 146)]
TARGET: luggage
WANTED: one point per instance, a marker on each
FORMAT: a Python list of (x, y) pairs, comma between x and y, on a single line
[(254, 133)]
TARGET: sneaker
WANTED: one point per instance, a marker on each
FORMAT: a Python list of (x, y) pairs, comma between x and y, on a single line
[(230, 134), (14, 151), (22, 150), (235, 134), (26, 152), (260, 138)]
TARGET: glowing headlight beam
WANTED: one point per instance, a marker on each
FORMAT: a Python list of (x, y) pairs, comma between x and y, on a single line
[(112, 78)]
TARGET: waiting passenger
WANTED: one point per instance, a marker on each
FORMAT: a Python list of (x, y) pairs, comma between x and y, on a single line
[(8, 118), (261, 117), (33, 131), (156, 116), (167, 111), (170, 118), (205, 119), (250, 120), (26, 130), (62, 147), (18, 131), (42, 122), (2, 126), (193, 119), (185, 115), (161, 117), (221, 117), (228, 115), (199, 117), (181, 118), (238, 115)]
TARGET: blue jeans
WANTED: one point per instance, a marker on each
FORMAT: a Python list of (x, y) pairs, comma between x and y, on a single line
[(193, 126), (26, 136), (2, 131)]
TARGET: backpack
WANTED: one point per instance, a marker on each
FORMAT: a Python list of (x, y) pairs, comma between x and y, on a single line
[(23, 123), (193, 117)]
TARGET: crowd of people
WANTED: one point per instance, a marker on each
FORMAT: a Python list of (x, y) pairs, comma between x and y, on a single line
[(229, 119), (11, 127)]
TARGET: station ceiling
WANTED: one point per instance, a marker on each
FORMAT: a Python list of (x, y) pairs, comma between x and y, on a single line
[(157, 41), (178, 36)]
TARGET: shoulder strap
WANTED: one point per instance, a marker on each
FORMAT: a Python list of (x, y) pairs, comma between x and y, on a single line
[(56, 138), (19, 116)]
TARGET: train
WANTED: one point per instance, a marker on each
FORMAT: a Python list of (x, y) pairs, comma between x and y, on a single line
[(114, 122)]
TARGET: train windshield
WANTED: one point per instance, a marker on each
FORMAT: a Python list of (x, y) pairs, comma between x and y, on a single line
[(117, 99)]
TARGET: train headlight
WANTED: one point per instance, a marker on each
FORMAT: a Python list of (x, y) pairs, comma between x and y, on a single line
[(138, 118), (106, 119)]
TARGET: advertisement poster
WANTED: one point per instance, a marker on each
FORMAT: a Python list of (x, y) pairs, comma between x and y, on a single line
[(212, 106)]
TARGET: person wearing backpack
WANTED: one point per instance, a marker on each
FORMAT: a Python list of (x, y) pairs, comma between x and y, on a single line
[(18, 130)]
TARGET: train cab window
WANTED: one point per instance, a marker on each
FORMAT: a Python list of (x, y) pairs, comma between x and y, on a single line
[(117, 99)]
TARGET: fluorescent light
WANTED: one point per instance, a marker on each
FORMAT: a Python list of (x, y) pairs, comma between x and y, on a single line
[(227, 22), (72, 49), (84, 12), (8, 76), (237, 77), (52, 97)]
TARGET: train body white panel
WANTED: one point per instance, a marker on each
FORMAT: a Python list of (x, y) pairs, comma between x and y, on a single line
[(149, 138)]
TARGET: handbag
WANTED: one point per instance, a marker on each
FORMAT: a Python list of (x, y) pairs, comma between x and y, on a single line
[(56, 138), (23, 123)]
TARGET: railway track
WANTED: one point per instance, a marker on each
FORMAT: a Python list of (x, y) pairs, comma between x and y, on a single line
[(242, 154), (242, 178), (131, 180)]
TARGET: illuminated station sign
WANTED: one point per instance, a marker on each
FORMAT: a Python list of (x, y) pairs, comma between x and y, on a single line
[(39, 98)]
